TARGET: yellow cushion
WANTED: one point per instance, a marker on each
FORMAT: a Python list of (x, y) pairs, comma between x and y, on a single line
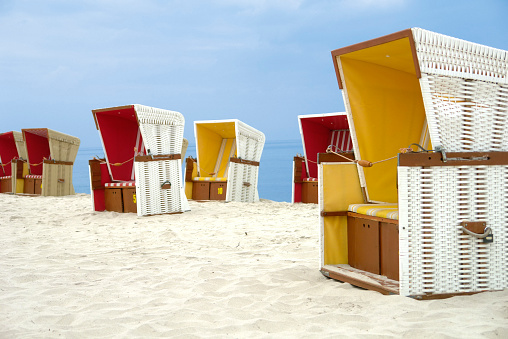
[(388, 211)]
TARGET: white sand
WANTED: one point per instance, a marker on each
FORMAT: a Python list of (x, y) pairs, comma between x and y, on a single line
[(221, 270)]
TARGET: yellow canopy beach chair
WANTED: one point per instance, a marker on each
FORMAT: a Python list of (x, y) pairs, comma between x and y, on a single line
[(228, 154), (432, 221)]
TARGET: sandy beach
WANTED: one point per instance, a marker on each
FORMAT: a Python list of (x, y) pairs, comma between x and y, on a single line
[(222, 270)]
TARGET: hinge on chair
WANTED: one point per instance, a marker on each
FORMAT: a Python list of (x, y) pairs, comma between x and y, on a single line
[(441, 150), (478, 229)]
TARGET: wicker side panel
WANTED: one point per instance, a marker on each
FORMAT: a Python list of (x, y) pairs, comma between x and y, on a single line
[(158, 116), (57, 180), (162, 139), (151, 198), (63, 147), (466, 115), (250, 142), (20, 144), (444, 55), (242, 183), (435, 255)]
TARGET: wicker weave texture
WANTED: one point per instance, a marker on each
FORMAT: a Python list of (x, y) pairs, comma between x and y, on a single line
[(162, 130), (242, 183), (242, 178), (57, 180), (20, 144), (158, 116), (435, 255), (162, 139), (466, 115), (443, 55), (151, 198), (250, 142)]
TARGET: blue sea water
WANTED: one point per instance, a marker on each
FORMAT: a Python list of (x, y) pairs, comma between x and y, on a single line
[(275, 171)]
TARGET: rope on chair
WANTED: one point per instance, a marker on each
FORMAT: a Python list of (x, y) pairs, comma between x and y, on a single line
[(366, 163)]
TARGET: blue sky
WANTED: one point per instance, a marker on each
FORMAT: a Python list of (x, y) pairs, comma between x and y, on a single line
[(261, 61)]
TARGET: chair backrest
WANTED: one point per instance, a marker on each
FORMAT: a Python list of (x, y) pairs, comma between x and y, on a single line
[(217, 141), (12, 146), (136, 129), (464, 89), (44, 143), (403, 87), (318, 131)]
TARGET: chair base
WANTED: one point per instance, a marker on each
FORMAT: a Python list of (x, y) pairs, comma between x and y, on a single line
[(373, 244), (32, 186), (378, 283), (120, 199), (6, 185), (202, 190), (310, 192)]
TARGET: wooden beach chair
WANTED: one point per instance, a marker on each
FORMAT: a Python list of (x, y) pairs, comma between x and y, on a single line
[(142, 168), (12, 153), (432, 222), (228, 154), (50, 156), (318, 132)]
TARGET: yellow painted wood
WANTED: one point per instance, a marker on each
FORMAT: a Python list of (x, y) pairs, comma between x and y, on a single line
[(209, 138), (387, 109), (341, 187)]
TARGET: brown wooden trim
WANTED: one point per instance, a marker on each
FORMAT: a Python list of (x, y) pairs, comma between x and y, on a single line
[(445, 295), (112, 108), (407, 33), (298, 169), (415, 56), (336, 275), (358, 282), (371, 217), (334, 214), (330, 157), (69, 163), (436, 159), (19, 168), (189, 168), (147, 158), (243, 161), (95, 111)]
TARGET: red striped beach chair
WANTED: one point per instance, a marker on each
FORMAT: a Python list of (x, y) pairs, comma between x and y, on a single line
[(141, 171), (12, 153), (318, 132), (50, 160)]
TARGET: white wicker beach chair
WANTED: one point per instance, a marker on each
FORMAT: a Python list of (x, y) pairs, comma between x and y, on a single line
[(12, 151), (318, 132), (432, 224), (50, 157), (228, 154), (141, 171)]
